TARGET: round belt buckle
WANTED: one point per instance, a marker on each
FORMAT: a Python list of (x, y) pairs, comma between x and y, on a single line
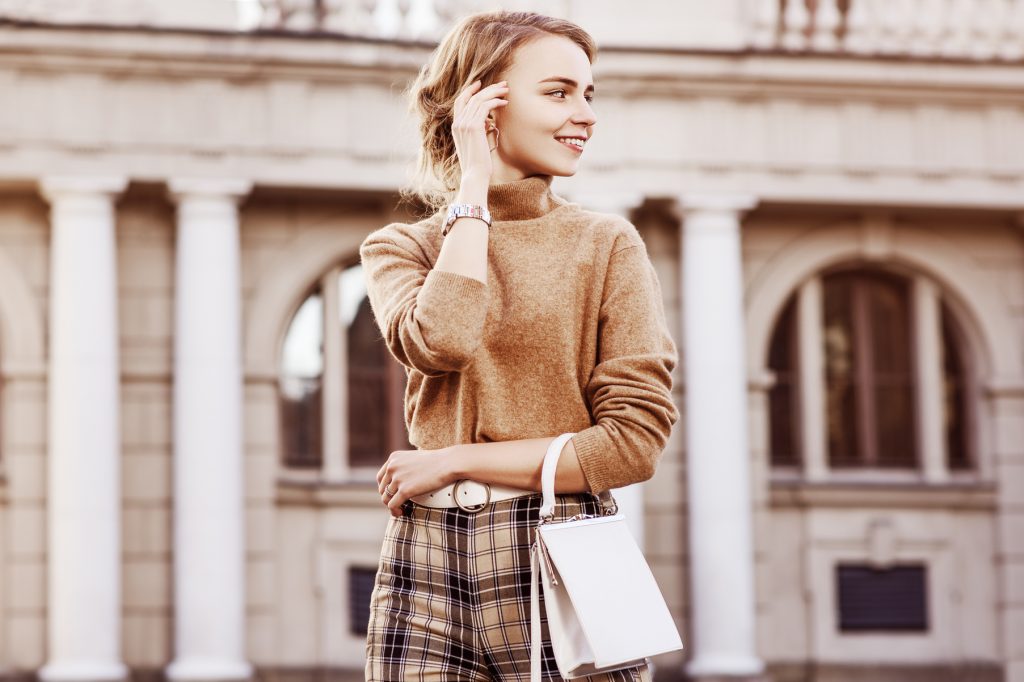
[(458, 502)]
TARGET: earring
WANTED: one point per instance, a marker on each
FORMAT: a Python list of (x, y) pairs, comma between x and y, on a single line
[(496, 134)]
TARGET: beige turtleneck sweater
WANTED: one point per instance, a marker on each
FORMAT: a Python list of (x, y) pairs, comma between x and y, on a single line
[(568, 333)]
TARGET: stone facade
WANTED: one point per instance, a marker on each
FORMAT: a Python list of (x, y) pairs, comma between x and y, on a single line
[(289, 148)]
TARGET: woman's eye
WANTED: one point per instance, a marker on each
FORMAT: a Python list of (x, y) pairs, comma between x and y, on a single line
[(589, 98)]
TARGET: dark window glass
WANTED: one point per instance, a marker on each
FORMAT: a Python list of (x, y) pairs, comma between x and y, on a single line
[(840, 377), (376, 388), (882, 599), (890, 370), (300, 389), (782, 398), (869, 375), (360, 588), (301, 415), (954, 399)]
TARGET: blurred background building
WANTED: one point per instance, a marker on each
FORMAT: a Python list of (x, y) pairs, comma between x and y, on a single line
[(194, 398)]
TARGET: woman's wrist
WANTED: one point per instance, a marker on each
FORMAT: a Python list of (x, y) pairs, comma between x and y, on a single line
[(452, 463), (472, 190)]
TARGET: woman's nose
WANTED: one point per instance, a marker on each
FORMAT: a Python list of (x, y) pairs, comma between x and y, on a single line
[(586, 115)]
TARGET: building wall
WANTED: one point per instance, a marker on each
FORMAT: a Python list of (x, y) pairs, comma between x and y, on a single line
[(299, 545), (321, 188), (958, 533), (24, 270)]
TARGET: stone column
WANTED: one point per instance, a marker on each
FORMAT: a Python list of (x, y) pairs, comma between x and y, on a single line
[(717, 450), (631, 497), (928, 361), (83, 434), (209, 528), (811, 372)]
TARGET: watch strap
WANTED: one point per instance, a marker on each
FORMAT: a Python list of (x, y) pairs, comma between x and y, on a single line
[(456, 211)]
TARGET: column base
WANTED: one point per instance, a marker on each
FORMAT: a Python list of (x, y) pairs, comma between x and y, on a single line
[(83, 671), (727, 669), (760, 677), (208, 670)]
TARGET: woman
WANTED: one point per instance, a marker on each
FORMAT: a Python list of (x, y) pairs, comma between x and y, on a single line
[(547, 320)]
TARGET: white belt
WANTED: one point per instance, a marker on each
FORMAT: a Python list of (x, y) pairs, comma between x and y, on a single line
[(469, 495)]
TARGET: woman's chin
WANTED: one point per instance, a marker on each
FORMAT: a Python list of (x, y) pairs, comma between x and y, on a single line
[(563, 169)]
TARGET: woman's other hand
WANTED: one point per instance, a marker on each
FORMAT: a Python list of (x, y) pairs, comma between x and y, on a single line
[(408, 473), (470, 124)]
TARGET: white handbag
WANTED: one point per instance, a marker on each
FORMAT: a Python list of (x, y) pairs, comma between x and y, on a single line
[(605, 611)]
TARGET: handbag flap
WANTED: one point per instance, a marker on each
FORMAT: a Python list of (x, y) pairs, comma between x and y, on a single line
[(619, 604)]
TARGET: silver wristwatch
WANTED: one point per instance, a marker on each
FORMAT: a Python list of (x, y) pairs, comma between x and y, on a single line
[(456, 211)]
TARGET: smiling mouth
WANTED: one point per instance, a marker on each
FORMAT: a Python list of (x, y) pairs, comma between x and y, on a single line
[(571, 146)]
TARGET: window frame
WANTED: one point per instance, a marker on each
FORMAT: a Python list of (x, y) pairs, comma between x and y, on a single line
[(928, 310), (335, 465)]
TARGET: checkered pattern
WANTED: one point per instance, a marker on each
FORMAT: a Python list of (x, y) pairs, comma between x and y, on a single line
[(451, 600)]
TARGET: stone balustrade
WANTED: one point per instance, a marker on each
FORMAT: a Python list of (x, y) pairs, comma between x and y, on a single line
[(971, 29), (983, 30)]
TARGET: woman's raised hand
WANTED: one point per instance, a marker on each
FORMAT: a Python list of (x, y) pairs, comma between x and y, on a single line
[(469, 126)]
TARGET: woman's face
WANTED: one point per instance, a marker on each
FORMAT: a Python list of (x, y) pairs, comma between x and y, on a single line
[(540, 110)]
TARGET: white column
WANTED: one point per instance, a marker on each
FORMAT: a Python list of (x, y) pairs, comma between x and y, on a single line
[(83, 433), (928, 360), (209, 529), (717, 450), (811, 359), (630, 498)]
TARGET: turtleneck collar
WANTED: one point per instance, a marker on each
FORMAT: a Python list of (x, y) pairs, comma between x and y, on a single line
[(530, 197)]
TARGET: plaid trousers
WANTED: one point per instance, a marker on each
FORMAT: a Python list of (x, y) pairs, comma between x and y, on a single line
[(451, 599)]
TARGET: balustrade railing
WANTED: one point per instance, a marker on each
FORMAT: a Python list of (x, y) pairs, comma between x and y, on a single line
[(973, 29), (404, 19), (963, 29)]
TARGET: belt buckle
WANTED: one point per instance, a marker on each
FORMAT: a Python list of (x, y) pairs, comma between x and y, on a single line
[(458, 502)]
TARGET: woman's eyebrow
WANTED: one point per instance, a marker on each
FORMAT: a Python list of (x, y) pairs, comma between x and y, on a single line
[(567, 81)]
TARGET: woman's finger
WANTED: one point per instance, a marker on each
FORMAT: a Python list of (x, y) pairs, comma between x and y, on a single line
[(467, 97), (469, 128), (473, 116), (395, 503), (386, 493)]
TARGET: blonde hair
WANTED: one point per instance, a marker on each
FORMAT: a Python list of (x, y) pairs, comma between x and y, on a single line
[(479, 46)]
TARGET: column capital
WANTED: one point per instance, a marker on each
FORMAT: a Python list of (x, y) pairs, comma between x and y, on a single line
[(617, 202), (689, 203), (54, 187), (235, 189)]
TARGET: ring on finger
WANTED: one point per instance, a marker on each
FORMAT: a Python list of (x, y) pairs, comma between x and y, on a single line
[(388, 491)]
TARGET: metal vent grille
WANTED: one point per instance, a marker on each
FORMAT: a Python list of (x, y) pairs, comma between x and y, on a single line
[(360, 585), (882, 599)]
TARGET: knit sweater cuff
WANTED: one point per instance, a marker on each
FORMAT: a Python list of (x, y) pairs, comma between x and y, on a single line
[(452, 311), (592, 453), (454, 284)]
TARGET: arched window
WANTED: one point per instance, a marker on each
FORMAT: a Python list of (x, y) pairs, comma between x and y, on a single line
[(869, 374), (341, 393)]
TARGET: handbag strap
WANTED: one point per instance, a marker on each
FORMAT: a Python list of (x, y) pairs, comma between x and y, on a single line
[(547, 481), (535, 626), (547, 512)]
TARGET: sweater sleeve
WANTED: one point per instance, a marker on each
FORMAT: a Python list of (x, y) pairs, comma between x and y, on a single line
[(432, 320), (630, 389)]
